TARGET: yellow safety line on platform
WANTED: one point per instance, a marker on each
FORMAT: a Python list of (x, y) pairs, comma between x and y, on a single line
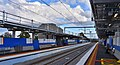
[(106, 61), (91, 60), (102, 61), (118, 61)]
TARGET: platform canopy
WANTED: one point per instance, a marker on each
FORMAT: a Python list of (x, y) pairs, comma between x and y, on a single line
[(106, 14)]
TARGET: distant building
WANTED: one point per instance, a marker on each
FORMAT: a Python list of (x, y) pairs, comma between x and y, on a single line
[(50, 27), (60, 30)]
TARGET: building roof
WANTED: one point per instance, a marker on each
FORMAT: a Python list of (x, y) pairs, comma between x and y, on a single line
[(106, 16)]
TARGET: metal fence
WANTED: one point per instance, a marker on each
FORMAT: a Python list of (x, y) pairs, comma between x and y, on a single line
[(5, 16)]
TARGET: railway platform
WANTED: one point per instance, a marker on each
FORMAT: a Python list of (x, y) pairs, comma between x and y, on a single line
[(100, 57)]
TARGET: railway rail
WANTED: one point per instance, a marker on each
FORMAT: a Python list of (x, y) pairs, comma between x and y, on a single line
[(62, 58)]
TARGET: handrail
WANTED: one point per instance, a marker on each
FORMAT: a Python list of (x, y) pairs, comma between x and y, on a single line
[(15, 15), (21, 19), (18, 16), (12, 18)]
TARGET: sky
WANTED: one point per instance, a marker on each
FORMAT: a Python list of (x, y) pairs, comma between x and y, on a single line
[(34, 9)]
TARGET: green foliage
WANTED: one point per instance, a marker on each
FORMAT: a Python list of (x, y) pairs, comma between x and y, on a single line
[(24, 34), (36, 36), (8, 35), (81, 34)]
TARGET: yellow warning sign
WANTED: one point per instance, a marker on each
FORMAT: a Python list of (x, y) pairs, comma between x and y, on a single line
[(109, 62)]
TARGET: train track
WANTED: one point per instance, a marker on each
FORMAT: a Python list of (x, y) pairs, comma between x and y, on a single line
[(66, 58), (63, 58)]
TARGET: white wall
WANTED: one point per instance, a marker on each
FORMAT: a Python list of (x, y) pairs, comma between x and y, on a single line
[(1, 41), (116, 39), (47, 40)]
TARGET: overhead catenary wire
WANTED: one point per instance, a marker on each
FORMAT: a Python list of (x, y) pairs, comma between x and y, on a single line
[(55, 10), (41, 15), (69, 10), (32, 11)]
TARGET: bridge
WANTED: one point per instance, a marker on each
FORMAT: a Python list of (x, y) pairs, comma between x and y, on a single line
[(17, 23)]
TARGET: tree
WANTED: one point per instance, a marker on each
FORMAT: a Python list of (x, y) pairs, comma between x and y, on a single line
[(81, 34), (7, 35), (24, 34), (36, 36), (84, 37)]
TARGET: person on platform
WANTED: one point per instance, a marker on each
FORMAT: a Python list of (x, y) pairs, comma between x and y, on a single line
[(108, 49)]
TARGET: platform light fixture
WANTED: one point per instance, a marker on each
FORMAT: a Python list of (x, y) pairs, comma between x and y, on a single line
[(119, 5), (116, 15), (110, 24)]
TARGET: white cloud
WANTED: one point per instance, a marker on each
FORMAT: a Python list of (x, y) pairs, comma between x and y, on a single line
[(75, 2), (87, 2), (45, 11)]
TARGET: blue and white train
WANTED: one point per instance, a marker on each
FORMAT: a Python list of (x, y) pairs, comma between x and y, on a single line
[(114, 43), (9, 45)]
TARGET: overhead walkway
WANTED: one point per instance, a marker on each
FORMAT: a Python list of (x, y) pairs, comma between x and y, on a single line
[(100, 57), (18, 23)]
